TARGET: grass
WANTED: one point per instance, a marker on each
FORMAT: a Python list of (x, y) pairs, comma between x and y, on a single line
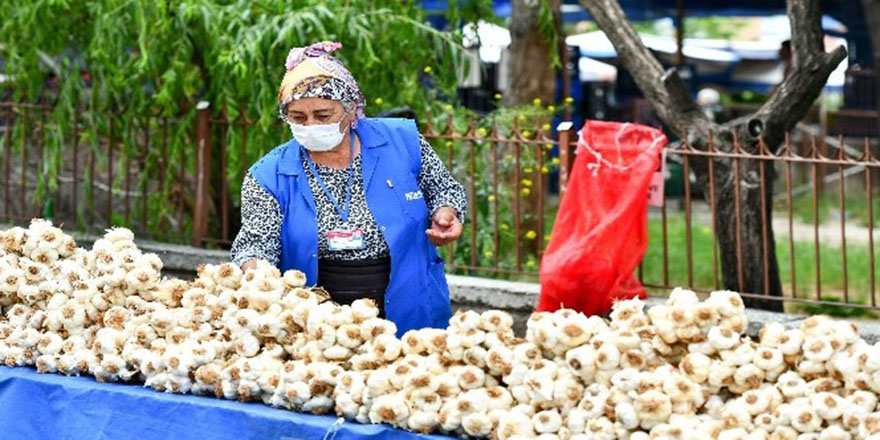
[(856, 207), (831, 261)]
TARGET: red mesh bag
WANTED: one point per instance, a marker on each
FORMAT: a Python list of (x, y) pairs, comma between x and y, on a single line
[(600, 234)]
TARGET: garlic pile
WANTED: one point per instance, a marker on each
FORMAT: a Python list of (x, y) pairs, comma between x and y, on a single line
[(682, 370)]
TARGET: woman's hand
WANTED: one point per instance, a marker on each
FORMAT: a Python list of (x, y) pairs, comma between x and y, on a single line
[(445, 226)]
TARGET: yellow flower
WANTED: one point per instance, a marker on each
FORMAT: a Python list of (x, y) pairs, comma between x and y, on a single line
[(378, 101), (555, 161), (497, 96), (504, 227), (551, 108), (546, 237), (482, 132), (449, 144), (528, 170), (526, 182), (522, 118), (489, 254), (526, 133), (448, 107), (548, 147), (545, 127), (491, 198), (525, 191), (530, 264), (428, 69), (569, 100), (536, 101), (530, 235), (544, 170)]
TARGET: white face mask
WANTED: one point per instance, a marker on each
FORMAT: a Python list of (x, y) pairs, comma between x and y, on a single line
[(322, 137)]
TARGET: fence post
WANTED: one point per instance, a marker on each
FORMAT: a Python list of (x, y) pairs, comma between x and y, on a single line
[(203, 173), (566, 156)]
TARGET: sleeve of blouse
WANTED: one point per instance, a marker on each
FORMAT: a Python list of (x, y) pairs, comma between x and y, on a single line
[(438, 185), (261, 218)]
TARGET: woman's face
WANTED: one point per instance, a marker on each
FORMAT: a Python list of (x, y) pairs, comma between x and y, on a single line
[(312, 111)]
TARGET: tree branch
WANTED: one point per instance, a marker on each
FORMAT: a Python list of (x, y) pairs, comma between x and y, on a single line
[(805, 17), (671, 101), (811, 67), (793, 98), (678, 91)]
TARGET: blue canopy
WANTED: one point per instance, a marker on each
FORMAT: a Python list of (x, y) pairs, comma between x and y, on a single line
[(847, 12), (652, 9)]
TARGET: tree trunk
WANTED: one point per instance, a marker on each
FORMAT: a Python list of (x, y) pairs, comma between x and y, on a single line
[(532, 74), (743, 223), (744, 249), (872, 17)]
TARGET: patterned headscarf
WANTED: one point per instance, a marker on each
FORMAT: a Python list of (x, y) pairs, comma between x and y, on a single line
[(313, 73)]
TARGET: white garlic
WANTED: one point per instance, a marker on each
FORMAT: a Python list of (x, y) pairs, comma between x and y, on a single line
[(386, 347), (607, 357), (548, 421), (653, 408), (513, 424), (805, 420), (727, 303), (817, 348), (423, 421), (723, 339), (496, 321), (827, 405), (748, 376), (741, 355), (477, 424), (790, 342), (696, 367)]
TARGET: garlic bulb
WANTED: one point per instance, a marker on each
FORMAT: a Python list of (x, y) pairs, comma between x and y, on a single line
[(679, 370), (424, 422), (547, 422), (477, 424), (513, 424)]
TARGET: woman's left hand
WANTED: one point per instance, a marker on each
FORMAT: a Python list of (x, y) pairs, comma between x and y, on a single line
[(445, 227)]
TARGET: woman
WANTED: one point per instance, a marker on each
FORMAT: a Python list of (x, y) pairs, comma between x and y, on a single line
[(357, 204)]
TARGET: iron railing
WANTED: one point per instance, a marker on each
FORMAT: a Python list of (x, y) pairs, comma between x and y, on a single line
[(114, 169), (812, 174)]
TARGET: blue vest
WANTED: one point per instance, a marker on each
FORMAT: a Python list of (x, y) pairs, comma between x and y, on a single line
[(417, 294)]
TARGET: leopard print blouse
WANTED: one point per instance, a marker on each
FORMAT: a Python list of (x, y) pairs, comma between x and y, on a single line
[(261, 218)]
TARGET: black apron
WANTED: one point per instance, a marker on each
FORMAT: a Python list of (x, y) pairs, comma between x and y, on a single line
[(347, 281)]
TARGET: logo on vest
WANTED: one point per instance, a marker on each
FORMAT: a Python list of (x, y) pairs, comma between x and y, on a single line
[(413, 195)]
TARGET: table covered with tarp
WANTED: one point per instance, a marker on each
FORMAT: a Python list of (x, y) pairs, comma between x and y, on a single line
[(51, 406)]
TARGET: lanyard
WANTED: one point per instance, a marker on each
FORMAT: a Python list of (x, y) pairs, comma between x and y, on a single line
[(345, 210)]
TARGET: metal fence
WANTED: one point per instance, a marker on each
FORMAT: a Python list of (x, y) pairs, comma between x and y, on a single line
[(114, 169), (100, 172), (823, 189)]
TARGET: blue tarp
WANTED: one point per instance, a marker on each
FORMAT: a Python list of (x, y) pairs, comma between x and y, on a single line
[(51, 406)]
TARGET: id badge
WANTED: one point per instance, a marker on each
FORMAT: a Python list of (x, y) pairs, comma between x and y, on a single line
[(345, 239)]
